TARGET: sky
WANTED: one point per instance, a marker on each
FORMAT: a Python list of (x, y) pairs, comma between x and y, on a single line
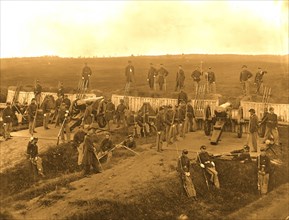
[(122, 28)]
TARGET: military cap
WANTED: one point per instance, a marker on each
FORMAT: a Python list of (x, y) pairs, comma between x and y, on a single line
[(271, 108), (161, 108), (203, 147), (33, 99), (121, 100), (185, 151), (246, 147), (244, 66), (263, 148), (252, 110), (180, 65), (259, 68)]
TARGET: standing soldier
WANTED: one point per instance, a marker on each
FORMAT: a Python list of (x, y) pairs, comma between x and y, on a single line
[(60, 91), (64, 118), (46, 108), (182, 96), (245, 75), (169, 121), (109, 112), (211, 81), (180, 80), (207, 164), (162, 74), (196, 75), (89, 153), (253, 130), (182, 118), (67, 101), (7, 120), (190, 117), (32, 110), (160, 126), (120, 113), (129, 76), (264, 166), (259, 80), (86, 73), (262, 124), (151, 76), (37, 92), (272, 126)]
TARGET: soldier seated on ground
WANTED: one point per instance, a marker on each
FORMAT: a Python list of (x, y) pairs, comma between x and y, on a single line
[(242, 155), (130, 142), (106, 144)]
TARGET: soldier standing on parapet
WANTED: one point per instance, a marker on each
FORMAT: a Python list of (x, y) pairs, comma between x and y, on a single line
[(86, 73), (196, 75), (180, 79), (211, 81), (162, 75), (259, 80), (245, 75), (151, 76), (129, 76)]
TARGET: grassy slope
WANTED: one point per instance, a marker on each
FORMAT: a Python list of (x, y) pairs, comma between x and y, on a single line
[(108, 73)]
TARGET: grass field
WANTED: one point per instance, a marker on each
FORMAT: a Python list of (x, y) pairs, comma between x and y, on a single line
[(108, 73)]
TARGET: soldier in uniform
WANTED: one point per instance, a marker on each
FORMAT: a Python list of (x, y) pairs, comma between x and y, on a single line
[(86, 73), (130, 142), (64, 118), (180, 79), (253, 130), (46, 108), (190, 116), (141, 122), (162, 74), (262, 124), (109, 112), (89, 153), (182, 118), (242, 155), (32, 109), (211, 81), (207, 164), (37, 92), (263, 166), (169, 121), (259, 80), (67, 101), (106, 144), (60, 91), (120, 113), (151, 76), (245, 75), (18, 113), (129, 76), (196, 75), (182, 96), (160, 126), (7, 120), (272, 126)]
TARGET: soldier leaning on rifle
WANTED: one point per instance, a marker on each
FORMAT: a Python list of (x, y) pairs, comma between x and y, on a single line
[(190, 116), (160, 126), (196, 75), (264, 167), (129, 76), (209, 165), (162, 74), (89, 153), (120, 114), (245, 75), (253, 130), (46, 108), (36, 161), (183, 167), (32, 108), (37, 92), (86, 73), (180, 79), (212, 81), (109, 112), (259, 80), (64, 118), (182, 96), (242, 155), (272, 126), (152, 72), (7, 120)]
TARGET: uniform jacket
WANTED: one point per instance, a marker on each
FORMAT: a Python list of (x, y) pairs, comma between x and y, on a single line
[(31, 111), (7, 115), (160, 122), (37, 89), (152, 72), (271, 120), (182, 97), (265, 161), (184, 164), (86, 72), (162, 73), (259, 77), (169, 117), (205, 159), (129, 73), (88, 151), (253, 123), (196, 75), (46, 107), (32, 149), (190, 111), (211, 77), (264, 118), (180, 76), (120, 110), (130, 144), (245, 75)]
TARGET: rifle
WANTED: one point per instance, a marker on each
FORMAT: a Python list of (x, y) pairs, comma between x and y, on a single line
[(60, 130), (203, 171)]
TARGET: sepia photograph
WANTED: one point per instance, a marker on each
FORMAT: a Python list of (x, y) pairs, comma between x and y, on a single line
[(144, 110)]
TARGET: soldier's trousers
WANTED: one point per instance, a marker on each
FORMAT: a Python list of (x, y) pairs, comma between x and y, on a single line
[(259, 87), (38, 99), (159, 140), (127, 87), (252, 140), (214, 176), (161, 84), (95, 165), (46, 117), (65, 129), (274, 132), (196, 86), (263, 181), (7, 129), (246, 87), (31, 127), (212, 87)]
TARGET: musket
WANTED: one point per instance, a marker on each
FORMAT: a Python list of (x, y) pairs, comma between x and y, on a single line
[(203, 172), (60, 130), (130, 149)]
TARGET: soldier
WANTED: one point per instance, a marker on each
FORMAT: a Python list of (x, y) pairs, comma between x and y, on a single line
[(60, 91), (129, 76), (37, 92), (78, 137), (182, 118), (207, 164), (190, 117), (245, 75), (7, 120), (211, 81), (196, 75), (242, 155), (152, 73), (180, 80), (46, 108), (264, 166), (160, 126), (86, 73), (106, 144), (262, 124), (130, 142), (67, 101), (169, 121), (162, 74), (184, 166), (272, 126), (89, 153), (259, 80), (32, 110), (253, 130), (109, 112), (120, 113), (182, 96), (64, 118), (141, 122), (36, 161)]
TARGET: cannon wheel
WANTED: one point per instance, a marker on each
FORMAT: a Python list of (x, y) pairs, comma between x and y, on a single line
[(240, 122), (208, 121)]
